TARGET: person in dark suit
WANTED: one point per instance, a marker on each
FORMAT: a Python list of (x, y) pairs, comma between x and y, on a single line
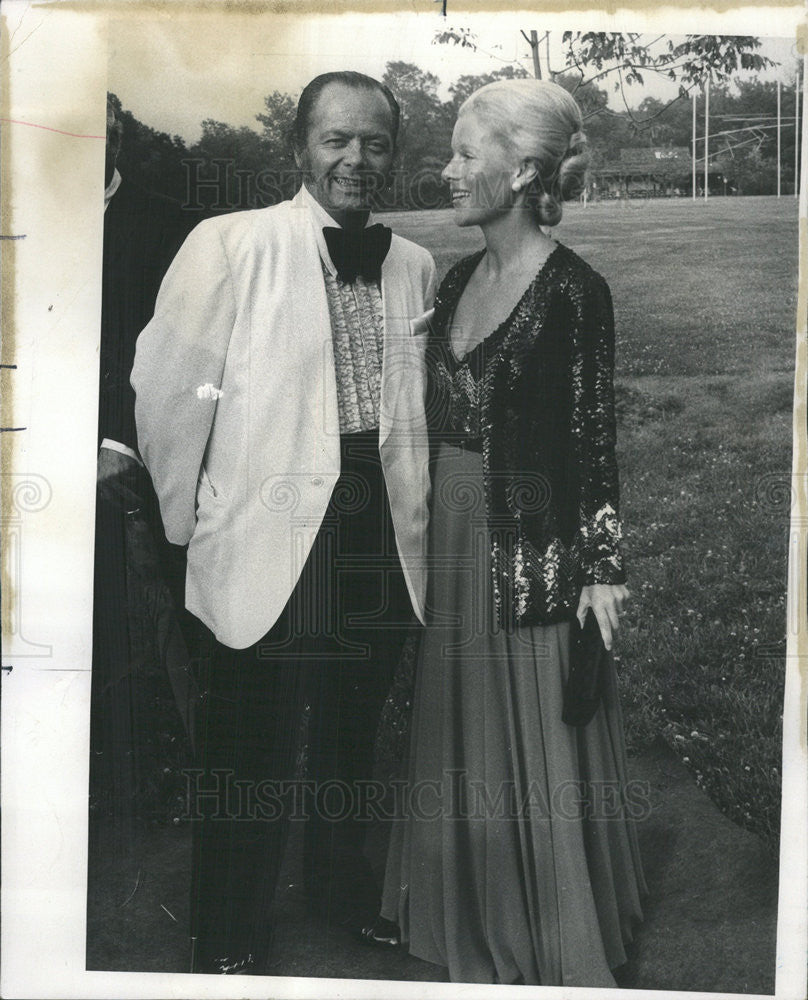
[(138, 576)]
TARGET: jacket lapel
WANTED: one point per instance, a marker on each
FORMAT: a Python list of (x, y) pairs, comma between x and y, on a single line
[(311, 328), (397, 304)]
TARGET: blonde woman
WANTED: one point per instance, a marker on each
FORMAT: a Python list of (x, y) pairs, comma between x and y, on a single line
[(517, 859)]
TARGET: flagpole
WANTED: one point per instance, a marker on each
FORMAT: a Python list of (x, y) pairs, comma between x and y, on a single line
[(694, 146), (778, 138), (797, 135), (707, 139)]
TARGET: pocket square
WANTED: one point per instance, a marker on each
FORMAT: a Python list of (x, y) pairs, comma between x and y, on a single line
[(421, 324)]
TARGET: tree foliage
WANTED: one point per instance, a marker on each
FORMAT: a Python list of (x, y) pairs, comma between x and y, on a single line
[(465, 85), (743, 135), (606, 135), (229, 168), (149, 158), (424, 136), (278, 119), (628, 58), (690, 61)]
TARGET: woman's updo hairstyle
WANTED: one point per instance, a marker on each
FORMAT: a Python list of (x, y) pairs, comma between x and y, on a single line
[(539, 121)]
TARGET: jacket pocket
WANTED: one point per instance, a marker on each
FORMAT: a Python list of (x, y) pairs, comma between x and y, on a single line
[(205, 488)]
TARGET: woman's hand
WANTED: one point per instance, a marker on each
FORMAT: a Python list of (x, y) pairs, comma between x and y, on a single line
[(606, 601)]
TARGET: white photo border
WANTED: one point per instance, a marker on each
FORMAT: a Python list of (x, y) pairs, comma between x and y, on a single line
[(55, 69)]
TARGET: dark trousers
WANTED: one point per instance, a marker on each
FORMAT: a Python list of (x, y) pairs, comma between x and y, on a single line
[(334, 648), (140, 657), (114, 707)]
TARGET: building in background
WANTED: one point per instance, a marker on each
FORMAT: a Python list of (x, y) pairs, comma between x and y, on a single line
[(655, 173)]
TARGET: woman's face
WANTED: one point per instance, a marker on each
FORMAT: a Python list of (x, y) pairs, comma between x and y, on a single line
[(480, 173)]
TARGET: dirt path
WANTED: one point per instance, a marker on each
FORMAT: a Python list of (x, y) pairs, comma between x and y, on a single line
[(710, 921)]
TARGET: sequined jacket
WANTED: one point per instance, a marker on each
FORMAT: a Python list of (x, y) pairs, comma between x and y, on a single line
[(547, 430)]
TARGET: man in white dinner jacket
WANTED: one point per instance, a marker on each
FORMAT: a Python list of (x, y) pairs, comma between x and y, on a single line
[(279, 407)]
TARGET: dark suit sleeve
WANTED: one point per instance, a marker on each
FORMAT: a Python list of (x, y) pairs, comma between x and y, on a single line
[(142, 233)]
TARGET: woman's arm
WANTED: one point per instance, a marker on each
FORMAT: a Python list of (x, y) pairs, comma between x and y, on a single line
[(602, 576)]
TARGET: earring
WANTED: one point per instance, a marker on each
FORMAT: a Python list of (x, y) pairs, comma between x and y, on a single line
[(516, 186)]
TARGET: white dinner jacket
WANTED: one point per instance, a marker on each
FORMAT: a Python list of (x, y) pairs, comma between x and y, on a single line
[(236, 410)]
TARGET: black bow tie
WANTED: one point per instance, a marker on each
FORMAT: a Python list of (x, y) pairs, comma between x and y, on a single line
[(358, 251)]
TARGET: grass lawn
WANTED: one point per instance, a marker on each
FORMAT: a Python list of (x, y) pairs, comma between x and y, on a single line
[(705, 300)]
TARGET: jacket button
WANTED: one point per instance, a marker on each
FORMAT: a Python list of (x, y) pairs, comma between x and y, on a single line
[(317, 481)]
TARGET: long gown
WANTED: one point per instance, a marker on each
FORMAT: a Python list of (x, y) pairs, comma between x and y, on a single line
[(515, 859)]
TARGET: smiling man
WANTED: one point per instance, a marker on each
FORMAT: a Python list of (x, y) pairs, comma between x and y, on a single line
[(344, 140), (279, 408)]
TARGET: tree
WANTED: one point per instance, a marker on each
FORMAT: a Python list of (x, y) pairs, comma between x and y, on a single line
[(224, 167), (465, 85), (278, 121), (668, 124), (743, 136), (628, 58), (606, 135), (235, 168), (279, 169), (424, 136), (151, 159)]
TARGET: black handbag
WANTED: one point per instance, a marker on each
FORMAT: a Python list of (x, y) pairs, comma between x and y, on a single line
[(589, 663)]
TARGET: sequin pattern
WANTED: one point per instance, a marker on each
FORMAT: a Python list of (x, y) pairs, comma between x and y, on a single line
[(543, 404), (462, 392)]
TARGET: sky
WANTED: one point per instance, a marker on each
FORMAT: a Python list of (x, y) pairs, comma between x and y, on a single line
[(173, 72)]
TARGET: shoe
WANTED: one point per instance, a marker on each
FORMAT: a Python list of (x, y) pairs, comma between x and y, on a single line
[(379, 933)]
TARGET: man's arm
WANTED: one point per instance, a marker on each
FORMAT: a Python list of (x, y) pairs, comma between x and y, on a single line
[(177, 374), (117, 475)]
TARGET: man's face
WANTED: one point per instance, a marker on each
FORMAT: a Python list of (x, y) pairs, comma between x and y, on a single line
[(349, 149)]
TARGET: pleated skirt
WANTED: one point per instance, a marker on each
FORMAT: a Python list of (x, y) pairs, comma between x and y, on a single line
[(514, 858)]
